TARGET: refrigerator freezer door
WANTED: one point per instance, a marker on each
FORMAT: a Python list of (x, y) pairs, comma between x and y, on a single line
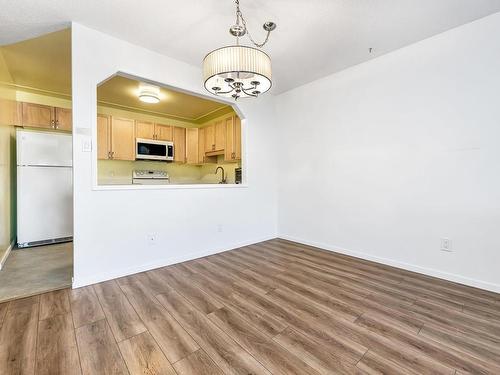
[(44, 148), (44, 203)]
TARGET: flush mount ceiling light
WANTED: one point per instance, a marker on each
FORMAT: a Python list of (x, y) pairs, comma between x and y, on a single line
[(239, 71), (149, 93)]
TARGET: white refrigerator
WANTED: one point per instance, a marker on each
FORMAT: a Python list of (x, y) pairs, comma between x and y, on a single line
[(44, 188)]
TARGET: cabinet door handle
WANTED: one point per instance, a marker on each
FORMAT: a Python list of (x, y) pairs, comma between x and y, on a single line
[(57, 124), (53, 124)]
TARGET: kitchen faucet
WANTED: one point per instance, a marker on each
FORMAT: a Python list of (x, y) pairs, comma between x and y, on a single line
[(223, 181)]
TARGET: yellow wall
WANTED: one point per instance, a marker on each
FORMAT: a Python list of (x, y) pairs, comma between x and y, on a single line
[(120, 172), (208, 171), (7, 186), (7, 171), (217, 119), (40, 98), (5, 75), (142, 116)]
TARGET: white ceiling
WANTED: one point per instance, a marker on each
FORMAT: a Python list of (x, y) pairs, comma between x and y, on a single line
[(314, 38)]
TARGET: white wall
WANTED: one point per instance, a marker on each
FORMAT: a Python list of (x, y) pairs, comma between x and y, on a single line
[(111, 227), (383, 159)]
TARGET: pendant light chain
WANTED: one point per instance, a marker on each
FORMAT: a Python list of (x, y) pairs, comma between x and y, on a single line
[(239, 16)]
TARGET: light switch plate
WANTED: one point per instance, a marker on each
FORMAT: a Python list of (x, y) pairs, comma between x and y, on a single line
[(87, 145)]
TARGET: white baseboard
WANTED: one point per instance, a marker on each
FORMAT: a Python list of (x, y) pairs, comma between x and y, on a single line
[(492, 287), (94, 279), (6, 254)]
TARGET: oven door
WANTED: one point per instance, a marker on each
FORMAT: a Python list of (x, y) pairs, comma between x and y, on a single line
[(151, 150)]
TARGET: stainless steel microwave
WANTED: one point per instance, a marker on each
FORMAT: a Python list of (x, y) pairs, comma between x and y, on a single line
[(148, 149)]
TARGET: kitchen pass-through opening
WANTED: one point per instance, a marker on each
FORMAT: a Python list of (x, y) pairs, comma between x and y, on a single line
[(149, 134)]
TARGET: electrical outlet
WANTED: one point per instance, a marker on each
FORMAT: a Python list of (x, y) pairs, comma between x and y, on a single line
[(445, 244), (220, 229), (151, 239)]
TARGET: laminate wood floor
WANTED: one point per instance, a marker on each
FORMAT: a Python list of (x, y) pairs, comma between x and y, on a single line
[(276, 307)]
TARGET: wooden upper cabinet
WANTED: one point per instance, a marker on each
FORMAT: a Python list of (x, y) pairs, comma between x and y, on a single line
[(150, 130), (192, 141), (237, 138), (38, 116), (144, 130), (229, 150), (122, 139), (220, 135), (44, 116), (10, 112), (201, 145), (232, 152), (103, 137), (209, 138), (64, 119), (179, 144), (163, 132), (215, 137)]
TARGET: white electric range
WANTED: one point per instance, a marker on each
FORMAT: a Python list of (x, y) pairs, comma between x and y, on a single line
[(150, 177)]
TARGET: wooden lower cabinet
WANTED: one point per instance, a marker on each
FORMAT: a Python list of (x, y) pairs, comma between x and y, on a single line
[(179, 135), (122, 138)]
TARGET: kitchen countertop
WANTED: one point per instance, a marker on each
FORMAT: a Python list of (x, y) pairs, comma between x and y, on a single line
[(126, 183)]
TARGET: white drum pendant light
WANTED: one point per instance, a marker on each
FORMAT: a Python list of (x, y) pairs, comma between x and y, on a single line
[(239, 71)]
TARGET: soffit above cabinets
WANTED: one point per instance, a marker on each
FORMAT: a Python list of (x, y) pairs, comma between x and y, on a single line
[(122, 92), (43, 65), (314, 38)]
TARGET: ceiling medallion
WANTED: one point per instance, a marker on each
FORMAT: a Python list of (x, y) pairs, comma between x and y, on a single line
[(239, 71)]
